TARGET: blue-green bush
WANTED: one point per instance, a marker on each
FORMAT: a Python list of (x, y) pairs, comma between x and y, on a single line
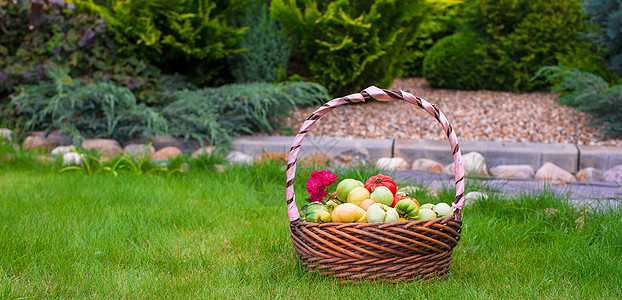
[(607, 14), (215, 115), (86, 110), (266, 46), (589, 93)]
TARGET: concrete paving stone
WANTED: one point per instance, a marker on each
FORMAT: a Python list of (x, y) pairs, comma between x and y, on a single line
[(495, 153), (255, 145), (601, 158), (413, 149), (565, 156)]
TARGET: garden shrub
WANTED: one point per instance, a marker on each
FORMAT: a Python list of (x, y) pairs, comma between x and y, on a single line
[(86, 110), (191, 37), (349, 45), (456, 62), (607, 14), (520, 36), (217, 114), (589, 93), (34, 41), (442, 19), (266, 44)]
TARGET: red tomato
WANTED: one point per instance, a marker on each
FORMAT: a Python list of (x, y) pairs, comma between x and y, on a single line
[(380, 180)]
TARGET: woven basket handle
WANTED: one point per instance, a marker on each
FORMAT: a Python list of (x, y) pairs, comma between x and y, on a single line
[(379, 95)]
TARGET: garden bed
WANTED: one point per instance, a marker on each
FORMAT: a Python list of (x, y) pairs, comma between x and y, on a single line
[(476, 116)]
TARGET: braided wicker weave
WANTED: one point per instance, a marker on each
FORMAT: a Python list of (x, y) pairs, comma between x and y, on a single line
[(397, 251)]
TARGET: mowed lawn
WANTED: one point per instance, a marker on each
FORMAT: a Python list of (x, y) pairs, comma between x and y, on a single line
[(224, 235)]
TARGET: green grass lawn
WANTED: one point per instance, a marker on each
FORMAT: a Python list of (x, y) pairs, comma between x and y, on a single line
[(225, 236)]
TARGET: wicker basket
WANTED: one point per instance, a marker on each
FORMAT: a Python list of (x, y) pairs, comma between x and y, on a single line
[(397, 251)]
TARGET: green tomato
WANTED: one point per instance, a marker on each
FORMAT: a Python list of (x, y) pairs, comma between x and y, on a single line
[(345, 187), (315, 213), (443, 210), (407, 209), (429, 206), (379, 212), (426, 214), (383, 195)]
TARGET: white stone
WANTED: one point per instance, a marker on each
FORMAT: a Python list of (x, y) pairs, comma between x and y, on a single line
[(6, 133), (139, 149), (61, 150), (474, 164), (513, 171), (589, 174), (614, 174), (203, 151), (239, 157), (166, 153), (427, 165), (472, 197), (449, 169), (107, 147), (550, 171), (72, 158), (392, 163)]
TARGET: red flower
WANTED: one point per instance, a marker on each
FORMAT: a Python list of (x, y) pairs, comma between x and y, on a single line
[(316, 186)]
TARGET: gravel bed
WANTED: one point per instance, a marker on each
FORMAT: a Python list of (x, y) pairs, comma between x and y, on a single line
[(475, 116)]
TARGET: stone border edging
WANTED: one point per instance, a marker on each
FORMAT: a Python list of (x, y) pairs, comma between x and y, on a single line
[(570, 157)]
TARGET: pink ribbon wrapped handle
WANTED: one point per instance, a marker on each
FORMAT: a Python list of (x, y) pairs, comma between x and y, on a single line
[(374, 93)]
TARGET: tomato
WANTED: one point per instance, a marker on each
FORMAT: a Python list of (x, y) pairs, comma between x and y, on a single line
[(380, 180), (401, 195)]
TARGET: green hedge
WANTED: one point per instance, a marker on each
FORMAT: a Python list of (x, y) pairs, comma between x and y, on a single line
[(193, 37), (442, 19), (455, 62), (349, 45), (519, 37)]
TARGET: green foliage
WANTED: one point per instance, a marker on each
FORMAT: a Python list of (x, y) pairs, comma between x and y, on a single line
[(266, 44), (186, 36), (520, 36), (217, 114), (349, 45), (442, 19), (34, 41), (86, 110), (607, 14), (455, 62), (589, 93), (175, 82)]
